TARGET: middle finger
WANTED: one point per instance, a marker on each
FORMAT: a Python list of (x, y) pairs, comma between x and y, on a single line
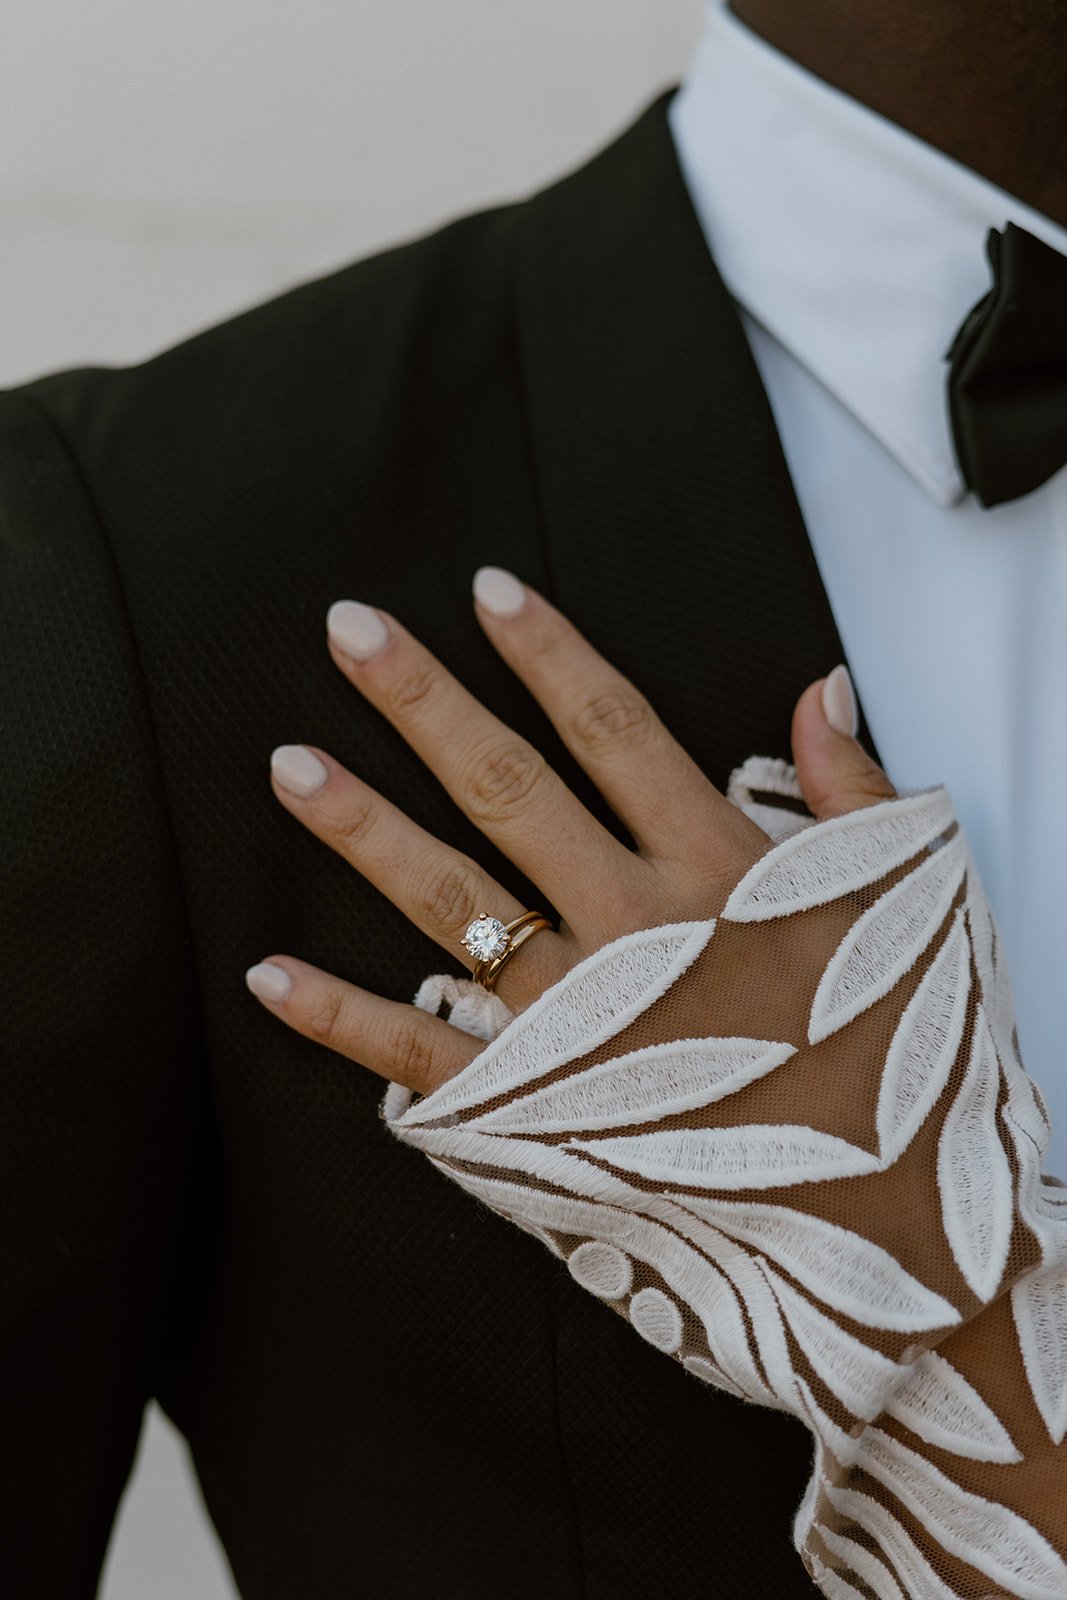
[(502, 783)]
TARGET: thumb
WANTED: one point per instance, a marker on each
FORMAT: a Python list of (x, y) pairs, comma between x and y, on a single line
[(834, 771)]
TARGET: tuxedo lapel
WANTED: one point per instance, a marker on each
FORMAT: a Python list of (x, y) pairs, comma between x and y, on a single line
[(674, 537)]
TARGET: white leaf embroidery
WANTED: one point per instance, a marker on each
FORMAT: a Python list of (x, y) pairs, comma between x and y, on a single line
[(544, 1208), (915, 1571), (593, 1001), (844, 1269), (708, 1372), (645, 1085), (756, 1156), (720, 1311), (766, 1320), (981, 926), (874, 1573), (553, 1164), (1039, 1307), (710, 1294), (844, 1446), (973, 1174), (886, 941), (860, 1377), (740, 1283), (990, 1536), (1027, 1108), (731, 1349), (809, 1505), (939, 1405), (838, 855), (833, 1585), (990, 964), (1033, 1196), (924, 1046)]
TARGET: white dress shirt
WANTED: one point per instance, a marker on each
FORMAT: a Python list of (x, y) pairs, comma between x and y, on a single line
[(854, 251)]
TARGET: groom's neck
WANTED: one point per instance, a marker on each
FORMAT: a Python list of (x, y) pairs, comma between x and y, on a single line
[(983, 80)]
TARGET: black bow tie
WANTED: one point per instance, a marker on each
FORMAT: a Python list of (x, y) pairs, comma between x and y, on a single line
[(1007, 383)]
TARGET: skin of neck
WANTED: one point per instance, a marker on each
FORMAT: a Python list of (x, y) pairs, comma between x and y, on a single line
[(983, 80)]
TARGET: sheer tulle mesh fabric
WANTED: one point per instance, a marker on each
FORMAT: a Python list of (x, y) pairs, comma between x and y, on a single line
[(795, 1146)]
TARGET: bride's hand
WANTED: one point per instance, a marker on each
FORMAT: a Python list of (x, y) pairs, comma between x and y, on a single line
[(693, 845)]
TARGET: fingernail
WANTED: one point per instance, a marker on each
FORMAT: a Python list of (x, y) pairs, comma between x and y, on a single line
[(839, 702), (298, 769), (269, 982), (498, 591), (356, 629)]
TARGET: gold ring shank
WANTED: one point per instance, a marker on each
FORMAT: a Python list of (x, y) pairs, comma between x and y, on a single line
[(487, 972)]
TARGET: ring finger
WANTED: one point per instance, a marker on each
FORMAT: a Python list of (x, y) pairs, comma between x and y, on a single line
[(439, 889)]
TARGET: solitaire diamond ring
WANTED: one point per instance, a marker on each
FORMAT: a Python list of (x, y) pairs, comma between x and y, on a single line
[(491, 942)]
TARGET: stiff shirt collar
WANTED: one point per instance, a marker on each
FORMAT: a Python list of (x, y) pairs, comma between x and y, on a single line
[(859, 247)]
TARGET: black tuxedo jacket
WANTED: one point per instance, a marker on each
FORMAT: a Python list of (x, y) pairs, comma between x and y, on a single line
[(388, 1391)]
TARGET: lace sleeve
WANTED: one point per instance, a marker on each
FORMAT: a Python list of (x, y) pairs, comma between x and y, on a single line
[(797, 1148)]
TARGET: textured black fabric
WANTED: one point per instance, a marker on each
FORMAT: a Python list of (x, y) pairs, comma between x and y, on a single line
[(1007, 377), (388, 1391)]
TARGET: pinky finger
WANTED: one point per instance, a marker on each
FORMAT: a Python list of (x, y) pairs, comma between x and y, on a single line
[(399, 1042)]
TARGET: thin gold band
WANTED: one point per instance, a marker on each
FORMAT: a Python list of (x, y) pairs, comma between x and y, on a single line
[(487, 972)]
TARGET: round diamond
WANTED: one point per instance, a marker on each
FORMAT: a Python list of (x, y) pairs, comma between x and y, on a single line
[(485, 938)]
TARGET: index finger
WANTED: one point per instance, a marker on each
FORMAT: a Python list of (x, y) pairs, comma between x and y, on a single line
[(654, 786)]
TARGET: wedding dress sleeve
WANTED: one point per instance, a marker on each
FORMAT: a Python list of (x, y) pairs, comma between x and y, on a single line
[(796, 1147)]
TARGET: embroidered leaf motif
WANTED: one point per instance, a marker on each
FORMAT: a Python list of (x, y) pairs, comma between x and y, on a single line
[(643, 1086), (834, 1586), (1039, 1307), (805, 1515), (1028, 1110), (991, 1537), (725, 1327), (924, 1046), (916, 1573), (838, 855), (973, 1173), (939, 1404), (708, 1372), (591, 1003), (844, 1446), (728, 1340), (543, 1208), (886, 941), (874, 1573), (859, 1376), (710, 1294), (766, 1321), (845, 1270), (981, 927), (553, 1164), (756, 1156), (989, 964)]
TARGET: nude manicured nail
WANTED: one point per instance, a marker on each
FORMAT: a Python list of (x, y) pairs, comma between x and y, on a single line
[(356, 629), (839, 702), (268, 981), (498, 591), (298, 769)]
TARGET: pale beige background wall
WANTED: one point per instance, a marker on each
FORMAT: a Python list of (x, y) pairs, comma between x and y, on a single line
[(167, 165)]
